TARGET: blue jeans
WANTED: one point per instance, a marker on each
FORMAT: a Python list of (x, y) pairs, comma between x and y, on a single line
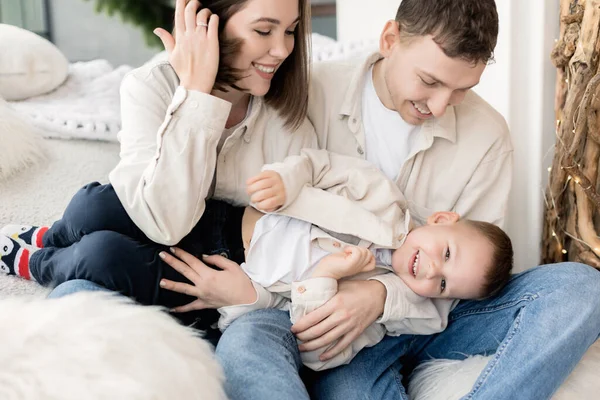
[(75, 286), (538, 329)]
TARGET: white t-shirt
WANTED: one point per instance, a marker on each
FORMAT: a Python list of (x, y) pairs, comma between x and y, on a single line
[(281, 251), (388, 138)]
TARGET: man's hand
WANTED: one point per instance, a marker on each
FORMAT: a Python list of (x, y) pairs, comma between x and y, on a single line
[(356, 306), (266, 191), (349, 262)]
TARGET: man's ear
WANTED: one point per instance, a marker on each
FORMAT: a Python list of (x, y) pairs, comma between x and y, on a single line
[(443, 217), (389, 37)]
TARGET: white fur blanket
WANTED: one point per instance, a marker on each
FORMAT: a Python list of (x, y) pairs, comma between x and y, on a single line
[(86, 106), (95, 346)]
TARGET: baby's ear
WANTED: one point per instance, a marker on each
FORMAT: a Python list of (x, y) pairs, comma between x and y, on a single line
[(443, 217)]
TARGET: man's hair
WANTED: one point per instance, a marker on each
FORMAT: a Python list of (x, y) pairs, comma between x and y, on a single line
[(288, 93), (501, 264), (466, 29)]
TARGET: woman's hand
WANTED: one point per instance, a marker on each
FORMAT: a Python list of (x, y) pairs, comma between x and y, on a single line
[(214, 289), (194, 52), (266, 191), (356, 306)]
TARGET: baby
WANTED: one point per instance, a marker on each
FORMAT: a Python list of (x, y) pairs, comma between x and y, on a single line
[(300, 264)]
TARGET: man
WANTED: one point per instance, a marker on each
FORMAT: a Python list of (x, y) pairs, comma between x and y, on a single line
[(410, 111)]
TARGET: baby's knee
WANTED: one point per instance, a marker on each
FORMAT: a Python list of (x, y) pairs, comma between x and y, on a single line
[(91, 207), (101, 252)]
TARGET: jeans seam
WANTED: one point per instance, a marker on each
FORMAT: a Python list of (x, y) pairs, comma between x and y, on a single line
[(494, 361), (291, 340), (526, 298), (398, 376)]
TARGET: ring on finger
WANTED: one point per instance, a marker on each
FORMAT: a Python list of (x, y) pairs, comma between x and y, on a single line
[(204, 24)]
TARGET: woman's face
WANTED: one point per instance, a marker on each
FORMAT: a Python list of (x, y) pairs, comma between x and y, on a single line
[(266, 28)]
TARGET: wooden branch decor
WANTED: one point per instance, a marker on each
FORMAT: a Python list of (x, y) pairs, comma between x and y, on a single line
[(572, 212)]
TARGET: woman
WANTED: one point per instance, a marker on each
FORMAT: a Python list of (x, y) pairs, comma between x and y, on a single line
[(232, 97)]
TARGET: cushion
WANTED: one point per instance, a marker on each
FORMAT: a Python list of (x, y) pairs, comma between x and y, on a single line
[(30, 65), (20, 143)]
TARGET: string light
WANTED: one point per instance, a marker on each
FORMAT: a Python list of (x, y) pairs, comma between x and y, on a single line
[(552, 203), (577, 180)]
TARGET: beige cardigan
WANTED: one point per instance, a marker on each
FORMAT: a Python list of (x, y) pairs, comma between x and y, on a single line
[(169, 163), (462, 161)]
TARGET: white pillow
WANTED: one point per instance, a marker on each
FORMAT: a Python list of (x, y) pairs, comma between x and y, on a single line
[(29, 64), (20, 145)]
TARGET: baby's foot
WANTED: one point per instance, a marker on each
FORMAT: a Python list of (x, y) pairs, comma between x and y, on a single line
[(14, 258), (25, 234)]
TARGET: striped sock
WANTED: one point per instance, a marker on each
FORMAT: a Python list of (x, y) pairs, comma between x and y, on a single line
[(25, 234), (14, 258)]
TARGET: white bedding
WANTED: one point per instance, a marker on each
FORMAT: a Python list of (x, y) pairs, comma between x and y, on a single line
[(86, 106)]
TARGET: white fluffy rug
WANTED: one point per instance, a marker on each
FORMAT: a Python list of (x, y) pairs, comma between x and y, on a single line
[(95, 346), (450, 379), (20, 143)]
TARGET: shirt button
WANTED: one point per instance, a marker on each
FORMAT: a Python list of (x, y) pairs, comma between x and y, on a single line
[(354, 120), (360, 150), (224, 254), (337, 244), (194, 104), (301, 289)]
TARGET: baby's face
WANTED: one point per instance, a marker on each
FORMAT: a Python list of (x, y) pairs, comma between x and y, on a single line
[(445, 260)]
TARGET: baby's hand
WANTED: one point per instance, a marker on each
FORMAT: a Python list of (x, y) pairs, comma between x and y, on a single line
[(349, 262), (266, 191)]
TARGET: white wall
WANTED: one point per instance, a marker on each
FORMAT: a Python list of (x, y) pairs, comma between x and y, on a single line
[(83, 35), (520, 85), (357, 21)]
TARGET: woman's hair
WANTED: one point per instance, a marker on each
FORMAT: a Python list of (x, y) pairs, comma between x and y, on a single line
[(289, 88), (462, 28)]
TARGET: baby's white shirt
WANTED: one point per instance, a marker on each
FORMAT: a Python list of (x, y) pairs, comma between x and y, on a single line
[(281, 250)]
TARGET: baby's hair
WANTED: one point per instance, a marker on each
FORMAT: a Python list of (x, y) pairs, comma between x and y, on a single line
[(501, 264)]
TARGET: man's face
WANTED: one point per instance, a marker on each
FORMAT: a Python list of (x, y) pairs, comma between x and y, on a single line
[(420, 79)]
